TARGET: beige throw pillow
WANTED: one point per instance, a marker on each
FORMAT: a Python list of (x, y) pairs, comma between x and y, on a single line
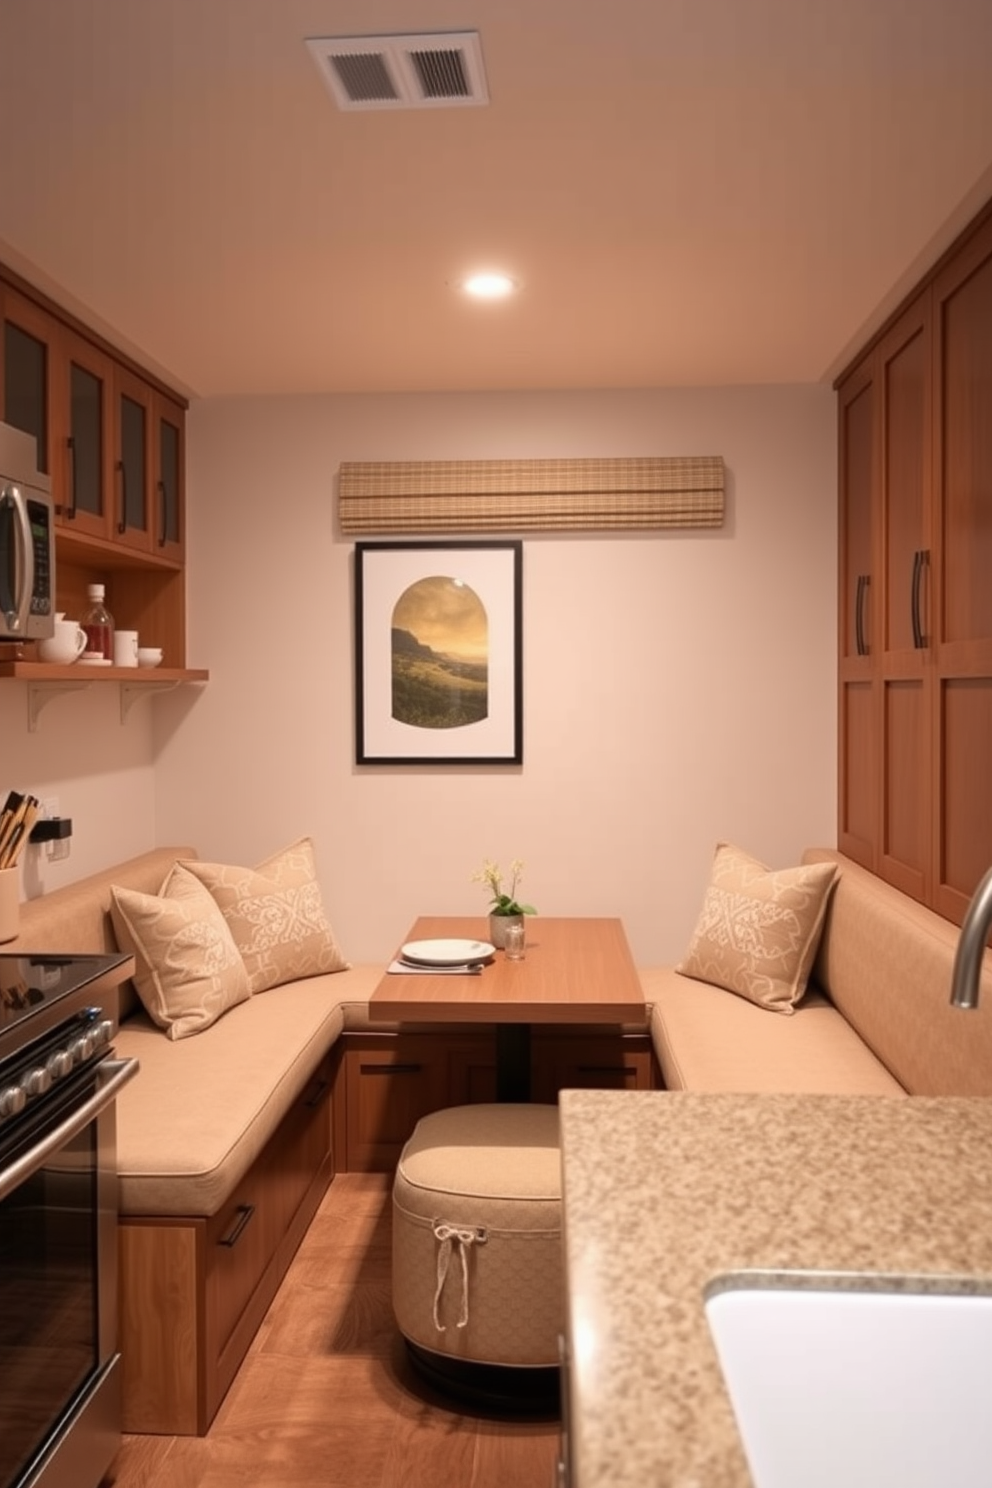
[(758, 930), (188, 971), (276, 916)]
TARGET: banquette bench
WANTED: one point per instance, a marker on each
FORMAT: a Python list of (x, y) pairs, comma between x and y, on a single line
[(875, 1018), (228, 1139), (224, 1150)]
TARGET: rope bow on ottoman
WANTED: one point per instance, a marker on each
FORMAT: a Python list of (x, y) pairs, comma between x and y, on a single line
[(477, 1259)]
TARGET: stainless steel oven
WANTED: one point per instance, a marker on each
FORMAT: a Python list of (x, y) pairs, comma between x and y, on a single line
[(59, 1377), (27, 542)]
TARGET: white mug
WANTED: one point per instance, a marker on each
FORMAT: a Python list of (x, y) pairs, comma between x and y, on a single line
[(67, 641), (125, 648)]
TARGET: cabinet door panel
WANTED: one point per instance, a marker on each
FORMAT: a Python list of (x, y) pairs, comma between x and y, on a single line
[(132, 515), (169, 460), (859, 773), (26, 372), (965, 800), (906, 773), (857, 465), (85, 419), (905, 362), (965, 444)]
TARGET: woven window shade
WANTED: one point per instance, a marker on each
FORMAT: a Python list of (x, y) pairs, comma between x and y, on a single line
[(530, 495)]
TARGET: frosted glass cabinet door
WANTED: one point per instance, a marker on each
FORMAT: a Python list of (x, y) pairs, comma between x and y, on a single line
[(26, 363), (170, 464), (84, 507), (132, 525)]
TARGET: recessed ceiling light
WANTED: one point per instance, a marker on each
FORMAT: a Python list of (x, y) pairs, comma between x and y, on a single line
[(489, 286)]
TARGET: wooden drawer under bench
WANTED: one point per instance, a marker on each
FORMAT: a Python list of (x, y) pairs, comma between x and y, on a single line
[(193, 1291)]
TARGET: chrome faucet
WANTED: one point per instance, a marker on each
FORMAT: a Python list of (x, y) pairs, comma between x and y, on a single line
[(967, 973)]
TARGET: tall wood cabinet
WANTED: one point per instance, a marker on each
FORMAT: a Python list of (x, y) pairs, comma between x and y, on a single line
[(915, 641)]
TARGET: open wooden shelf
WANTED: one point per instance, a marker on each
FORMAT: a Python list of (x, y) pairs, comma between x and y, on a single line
[(44, 671), (46, 681)]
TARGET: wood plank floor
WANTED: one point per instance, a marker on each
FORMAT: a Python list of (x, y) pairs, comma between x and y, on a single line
[(326, 1394)]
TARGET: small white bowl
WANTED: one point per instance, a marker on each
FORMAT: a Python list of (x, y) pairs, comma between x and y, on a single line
[(149, 656)]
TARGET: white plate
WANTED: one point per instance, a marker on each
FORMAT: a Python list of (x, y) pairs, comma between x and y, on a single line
[(94, 661), (446, 952)]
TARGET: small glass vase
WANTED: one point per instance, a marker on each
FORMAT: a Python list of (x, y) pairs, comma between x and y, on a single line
[(498, 926)]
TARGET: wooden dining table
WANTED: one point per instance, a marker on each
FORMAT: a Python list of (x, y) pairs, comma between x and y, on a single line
[(575, 971)]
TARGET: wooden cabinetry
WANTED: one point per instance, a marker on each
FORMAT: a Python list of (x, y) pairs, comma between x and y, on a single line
[(915, 639), (112, 440), (193, 1291), (385, 1082)]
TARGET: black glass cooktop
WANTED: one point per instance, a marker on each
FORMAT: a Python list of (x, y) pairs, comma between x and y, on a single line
[(32, 986)]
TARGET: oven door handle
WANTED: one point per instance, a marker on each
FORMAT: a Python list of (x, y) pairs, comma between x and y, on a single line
[(120, 1071)]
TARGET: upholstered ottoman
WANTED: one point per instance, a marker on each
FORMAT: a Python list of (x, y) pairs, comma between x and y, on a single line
[(477, 1252)]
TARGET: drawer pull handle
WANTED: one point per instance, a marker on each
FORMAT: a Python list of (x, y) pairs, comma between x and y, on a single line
[(391, 1069), (244, 1214), (319, 1091)]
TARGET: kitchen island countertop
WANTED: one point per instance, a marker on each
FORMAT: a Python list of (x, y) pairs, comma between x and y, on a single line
[(664, 1191)]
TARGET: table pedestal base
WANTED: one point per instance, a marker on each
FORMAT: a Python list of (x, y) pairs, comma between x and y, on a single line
[(499, 1388), (513, 1062)]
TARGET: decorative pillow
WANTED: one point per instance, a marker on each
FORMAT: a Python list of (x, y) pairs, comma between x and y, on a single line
[(188, 971), (758, 930), (276, 916)]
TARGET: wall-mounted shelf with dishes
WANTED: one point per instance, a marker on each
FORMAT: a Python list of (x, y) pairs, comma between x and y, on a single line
[(46, 681)]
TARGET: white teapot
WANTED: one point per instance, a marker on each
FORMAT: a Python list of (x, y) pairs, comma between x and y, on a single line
[(65, 644)]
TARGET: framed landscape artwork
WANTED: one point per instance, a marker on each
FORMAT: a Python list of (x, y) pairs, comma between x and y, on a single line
[(438, 653)]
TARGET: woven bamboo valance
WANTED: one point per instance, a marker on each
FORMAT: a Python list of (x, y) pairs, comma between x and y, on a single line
[(530, 495)]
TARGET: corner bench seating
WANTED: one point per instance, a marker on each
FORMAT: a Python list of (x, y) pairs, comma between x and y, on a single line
[(225, 1138), (876, 1019), (224, 1153)]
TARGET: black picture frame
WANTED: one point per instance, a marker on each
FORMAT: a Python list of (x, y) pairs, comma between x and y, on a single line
[(438, 653)]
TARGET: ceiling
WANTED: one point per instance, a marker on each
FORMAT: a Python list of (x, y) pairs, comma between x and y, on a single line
[(689, 191)]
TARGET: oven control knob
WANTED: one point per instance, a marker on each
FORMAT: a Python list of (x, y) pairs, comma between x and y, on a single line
[(60, 1064), (103, 1032), (12, 1101), (83, 1046), (36, 1082)]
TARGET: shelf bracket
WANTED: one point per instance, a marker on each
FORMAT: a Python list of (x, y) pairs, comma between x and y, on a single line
[(40, 694), (132, 691)]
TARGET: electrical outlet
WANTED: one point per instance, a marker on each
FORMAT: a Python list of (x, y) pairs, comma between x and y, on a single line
[(50, 807)]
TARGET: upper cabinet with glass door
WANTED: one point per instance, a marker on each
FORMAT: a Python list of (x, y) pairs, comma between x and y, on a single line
[(111, 440), (148, 472), (28, 357)]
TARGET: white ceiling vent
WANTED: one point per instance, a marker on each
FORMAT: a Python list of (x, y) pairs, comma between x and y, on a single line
[(433, 70)]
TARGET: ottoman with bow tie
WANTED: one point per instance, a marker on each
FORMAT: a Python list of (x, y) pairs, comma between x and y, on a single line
[(477, 1250)]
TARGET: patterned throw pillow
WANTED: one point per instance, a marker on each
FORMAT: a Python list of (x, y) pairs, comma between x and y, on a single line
[(275, 914), (758, 930), (188, 971)]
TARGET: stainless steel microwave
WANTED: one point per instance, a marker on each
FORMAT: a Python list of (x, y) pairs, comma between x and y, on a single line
[(27, 541)]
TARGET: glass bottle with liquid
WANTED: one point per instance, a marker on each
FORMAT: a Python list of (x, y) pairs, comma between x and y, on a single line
[(98, 623)]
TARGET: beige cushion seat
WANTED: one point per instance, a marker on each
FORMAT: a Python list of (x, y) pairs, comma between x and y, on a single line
[(477, 1267), (237, 1079)]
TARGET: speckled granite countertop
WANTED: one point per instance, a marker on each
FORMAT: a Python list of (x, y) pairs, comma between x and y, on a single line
[(665, 1191)]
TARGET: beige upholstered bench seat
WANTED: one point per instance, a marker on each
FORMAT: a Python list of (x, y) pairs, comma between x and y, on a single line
[(708, 1040), (202, 1109), (477, 1253)]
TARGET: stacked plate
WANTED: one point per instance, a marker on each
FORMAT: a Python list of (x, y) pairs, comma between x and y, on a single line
[(445, 955)]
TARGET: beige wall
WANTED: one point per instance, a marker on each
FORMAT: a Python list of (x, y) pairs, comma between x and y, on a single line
[(678, 689)]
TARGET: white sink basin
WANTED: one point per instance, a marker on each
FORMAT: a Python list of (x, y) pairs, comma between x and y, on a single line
[(840, 1388)]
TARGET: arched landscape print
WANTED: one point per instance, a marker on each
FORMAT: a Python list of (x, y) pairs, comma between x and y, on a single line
[(440, 655)]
